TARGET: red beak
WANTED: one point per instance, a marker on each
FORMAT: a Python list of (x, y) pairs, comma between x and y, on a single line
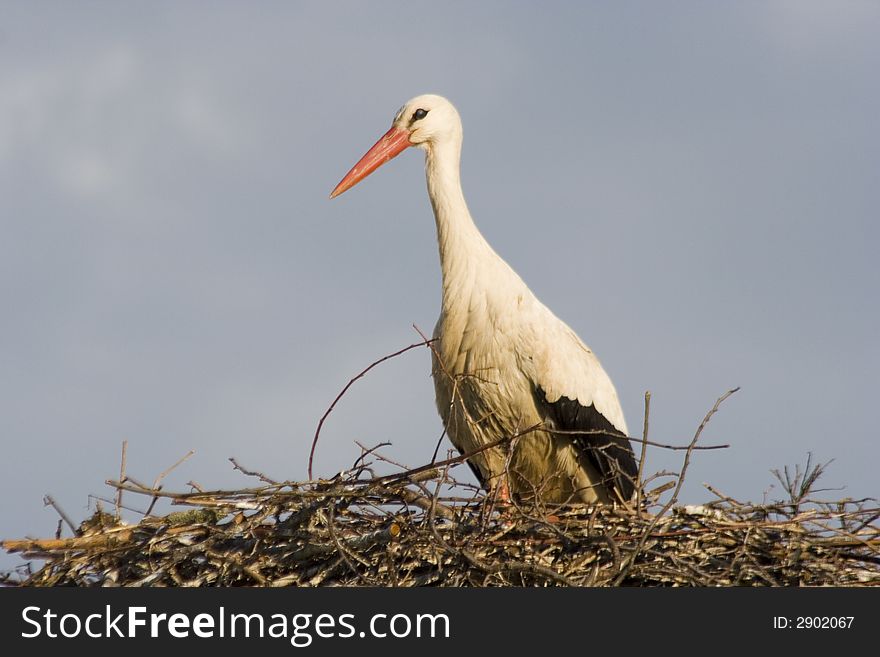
[(390, 145)]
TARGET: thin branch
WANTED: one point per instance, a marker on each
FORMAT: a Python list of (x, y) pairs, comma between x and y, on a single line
[(121, 478), (168, 471), (250, 473), (162, 475), (642, 441), (345, 389), (640, 485), (48, 500)]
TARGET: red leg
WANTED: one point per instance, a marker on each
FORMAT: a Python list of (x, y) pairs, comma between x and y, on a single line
[(503, 490)]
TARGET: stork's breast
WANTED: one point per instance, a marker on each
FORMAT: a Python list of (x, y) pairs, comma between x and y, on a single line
[(477, 365)]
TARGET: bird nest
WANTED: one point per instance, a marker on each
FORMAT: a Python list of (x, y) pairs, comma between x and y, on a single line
[(422, 528)]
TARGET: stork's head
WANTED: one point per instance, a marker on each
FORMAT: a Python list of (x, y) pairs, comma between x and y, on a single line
[(424, 121)]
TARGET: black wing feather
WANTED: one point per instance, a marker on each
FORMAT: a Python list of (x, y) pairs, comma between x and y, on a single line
[(605, 446)]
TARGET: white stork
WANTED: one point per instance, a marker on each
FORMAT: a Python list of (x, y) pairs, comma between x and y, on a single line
[(503, 362)]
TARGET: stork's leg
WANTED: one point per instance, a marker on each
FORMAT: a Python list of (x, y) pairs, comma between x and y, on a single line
[(503, 490), (499, 500), (498, 496)]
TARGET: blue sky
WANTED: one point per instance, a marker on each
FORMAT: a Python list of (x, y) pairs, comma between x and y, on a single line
[(693, 187)]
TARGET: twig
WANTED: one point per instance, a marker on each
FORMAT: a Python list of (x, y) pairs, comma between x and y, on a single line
[(640, 486), (109, 501), (121, 478), (380, 456), (250, 473), (721, 495), (360, 462), (345, 389), (162, 475), (692, 446), (437, 446), (167, 471), (603, 432), (426, 504), (48, 500)]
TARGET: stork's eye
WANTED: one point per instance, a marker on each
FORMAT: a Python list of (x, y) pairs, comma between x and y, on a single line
[(419, 114)]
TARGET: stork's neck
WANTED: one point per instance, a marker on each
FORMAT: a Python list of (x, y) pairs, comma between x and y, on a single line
[(463, 249)]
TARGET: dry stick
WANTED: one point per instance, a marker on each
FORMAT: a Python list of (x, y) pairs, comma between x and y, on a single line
[(98, 498), (672, 500), (372, 450), (360, 462), (722, 496), (345, 389), (48, 500), (692, 446), (251, 473), (121, 478), (135, 482), (603, 432), (255, 574), (437, 447), (202, 496), (166, 472), (161, 476), (421, 501), (640, 486), (867, 522)]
